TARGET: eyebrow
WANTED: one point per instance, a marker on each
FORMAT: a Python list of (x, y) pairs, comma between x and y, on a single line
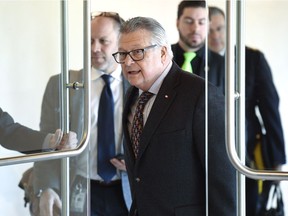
[(191, 18)]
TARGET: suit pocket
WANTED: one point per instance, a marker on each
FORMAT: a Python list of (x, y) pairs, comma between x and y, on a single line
[(189, 211)]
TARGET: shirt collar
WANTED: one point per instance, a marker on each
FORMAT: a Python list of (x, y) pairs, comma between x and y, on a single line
[(117, 74)]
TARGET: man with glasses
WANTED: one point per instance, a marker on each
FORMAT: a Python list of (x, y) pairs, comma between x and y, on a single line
[(164, 129), (192, 21), (107, 194)]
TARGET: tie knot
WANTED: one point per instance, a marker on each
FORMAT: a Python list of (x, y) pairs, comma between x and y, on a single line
[(144, 97), (107, 78), (189, 56)]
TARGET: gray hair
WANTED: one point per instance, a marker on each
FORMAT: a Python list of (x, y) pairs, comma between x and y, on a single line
[(158, 33)]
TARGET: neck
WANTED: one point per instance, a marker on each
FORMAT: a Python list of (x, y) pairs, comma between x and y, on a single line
[(187, 48)]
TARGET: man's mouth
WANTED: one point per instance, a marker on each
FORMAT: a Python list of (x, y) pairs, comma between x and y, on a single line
[(133, 72)]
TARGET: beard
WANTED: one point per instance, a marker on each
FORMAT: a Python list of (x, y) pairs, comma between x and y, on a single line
[(191, 44)]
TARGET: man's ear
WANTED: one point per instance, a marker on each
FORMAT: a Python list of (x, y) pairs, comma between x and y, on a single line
[(164, 53)]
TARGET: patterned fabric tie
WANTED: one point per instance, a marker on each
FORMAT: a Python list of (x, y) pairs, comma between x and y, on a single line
[(188, 57), (106, 134), (137, 125)]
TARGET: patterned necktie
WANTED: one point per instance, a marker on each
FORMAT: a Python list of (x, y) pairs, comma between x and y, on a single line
[(137, 125), (106, 134), (188, 57)]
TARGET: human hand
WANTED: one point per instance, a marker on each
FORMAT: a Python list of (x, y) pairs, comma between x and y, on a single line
[(119, 164), (50, 203), (62, 141)]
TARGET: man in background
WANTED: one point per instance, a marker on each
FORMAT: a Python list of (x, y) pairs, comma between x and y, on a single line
[(110, 192), (263, 127), (192, 25)]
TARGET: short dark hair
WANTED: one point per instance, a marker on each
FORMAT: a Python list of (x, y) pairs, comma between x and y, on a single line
[(215, 11), (185, 4)]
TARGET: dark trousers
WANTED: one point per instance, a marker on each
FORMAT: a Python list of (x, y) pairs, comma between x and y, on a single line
[(105, 199), (253, 198)]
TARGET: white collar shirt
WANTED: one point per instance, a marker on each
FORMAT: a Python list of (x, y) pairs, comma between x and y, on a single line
[(97, 84)]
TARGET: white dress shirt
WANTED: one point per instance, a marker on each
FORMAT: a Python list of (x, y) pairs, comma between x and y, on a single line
[(97, 84)]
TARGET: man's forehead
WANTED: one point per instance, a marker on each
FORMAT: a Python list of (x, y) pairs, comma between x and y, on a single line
[(217, 21), (195, 13), (138, 37)]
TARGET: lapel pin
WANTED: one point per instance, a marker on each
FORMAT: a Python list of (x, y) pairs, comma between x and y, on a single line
[(166, 96)]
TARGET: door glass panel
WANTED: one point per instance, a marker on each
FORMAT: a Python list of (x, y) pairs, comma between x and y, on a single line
[(30, 59), (30, 55), (265, 82), (168, 20)]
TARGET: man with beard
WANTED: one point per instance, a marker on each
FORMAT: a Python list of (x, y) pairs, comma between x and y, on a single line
[(192, 20)]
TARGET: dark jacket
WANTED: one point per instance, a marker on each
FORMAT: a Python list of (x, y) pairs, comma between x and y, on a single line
[(261, 92), (168, 177), (216, 64)]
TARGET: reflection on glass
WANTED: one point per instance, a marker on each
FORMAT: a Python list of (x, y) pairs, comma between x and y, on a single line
[(265, 147)]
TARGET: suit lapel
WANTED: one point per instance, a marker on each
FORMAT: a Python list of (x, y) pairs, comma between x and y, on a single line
[(163, 101)]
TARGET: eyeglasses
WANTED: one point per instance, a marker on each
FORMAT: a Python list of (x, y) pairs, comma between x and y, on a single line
[(112, 15), (135, 55)]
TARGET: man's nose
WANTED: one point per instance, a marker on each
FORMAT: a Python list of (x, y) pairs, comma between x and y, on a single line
[(96, 46)]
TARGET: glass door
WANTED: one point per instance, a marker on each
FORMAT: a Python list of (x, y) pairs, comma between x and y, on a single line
[(38, 93)]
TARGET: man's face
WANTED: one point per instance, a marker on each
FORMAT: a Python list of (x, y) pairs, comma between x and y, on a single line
[(192, 27), (104, 42), (216, 37), (143, 73)]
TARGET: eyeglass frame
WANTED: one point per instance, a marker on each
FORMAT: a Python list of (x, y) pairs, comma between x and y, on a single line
[(128, 53), (108, 14)]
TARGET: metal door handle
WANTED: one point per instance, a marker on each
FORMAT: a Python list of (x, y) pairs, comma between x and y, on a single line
[(231, 96)]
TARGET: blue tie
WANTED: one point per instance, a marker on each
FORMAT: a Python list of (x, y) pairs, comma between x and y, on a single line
[(106, 134)]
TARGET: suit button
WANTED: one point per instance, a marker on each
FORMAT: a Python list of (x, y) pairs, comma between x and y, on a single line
[(137, 180)]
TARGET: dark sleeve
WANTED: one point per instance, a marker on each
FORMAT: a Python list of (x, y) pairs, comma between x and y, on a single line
[(221, 173), (268, 103), (15, 136)]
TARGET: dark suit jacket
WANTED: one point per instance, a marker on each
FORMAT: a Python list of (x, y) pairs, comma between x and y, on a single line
[(261, 92), (216, 64), (168, 177), (17, 137)]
